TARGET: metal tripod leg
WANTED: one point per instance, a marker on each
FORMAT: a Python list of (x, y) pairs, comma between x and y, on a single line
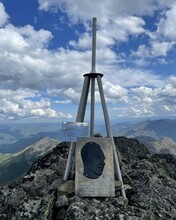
[(92, 109), (109, 133), (79, 118)]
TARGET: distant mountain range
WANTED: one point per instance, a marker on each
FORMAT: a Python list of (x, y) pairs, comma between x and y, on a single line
[(10, 133), (24, 142), (155, 129), (14, 165), (159, 136), (18, 145)]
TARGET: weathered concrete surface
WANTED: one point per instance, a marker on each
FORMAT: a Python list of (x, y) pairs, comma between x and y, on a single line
[(103, 186)]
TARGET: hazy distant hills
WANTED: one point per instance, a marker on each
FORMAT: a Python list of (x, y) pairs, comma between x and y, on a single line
[(10, 133), (14, 165), (18, 145), (21, 144), (159, 136), (24, 142), (155, 129)]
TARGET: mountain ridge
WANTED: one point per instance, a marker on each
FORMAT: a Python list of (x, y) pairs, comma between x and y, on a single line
[(164, 145), (16, 165)]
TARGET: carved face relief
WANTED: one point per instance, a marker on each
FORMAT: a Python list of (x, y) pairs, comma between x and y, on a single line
[(93, 159)]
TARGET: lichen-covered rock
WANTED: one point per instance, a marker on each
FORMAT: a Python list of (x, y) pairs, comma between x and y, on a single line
[(103, 209), (67, 188), (29, 209), (153, 188), (47, 206), (62, 200)]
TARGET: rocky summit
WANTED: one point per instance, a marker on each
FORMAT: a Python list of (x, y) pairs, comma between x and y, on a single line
[(150, 182)]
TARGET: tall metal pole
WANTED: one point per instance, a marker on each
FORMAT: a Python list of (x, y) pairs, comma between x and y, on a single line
[(94, 45), (93, 70), (83, 100), (92, 108)]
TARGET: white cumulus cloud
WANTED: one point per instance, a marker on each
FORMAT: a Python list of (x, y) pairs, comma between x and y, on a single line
[(21, 104), (4, 17)]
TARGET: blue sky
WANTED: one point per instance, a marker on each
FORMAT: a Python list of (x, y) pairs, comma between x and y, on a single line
[(45, 48)]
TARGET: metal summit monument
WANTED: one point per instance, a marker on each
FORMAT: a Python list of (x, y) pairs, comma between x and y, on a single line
[(94, 159)]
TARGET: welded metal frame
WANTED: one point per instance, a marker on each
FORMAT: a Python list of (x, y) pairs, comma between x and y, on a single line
[(89, 79)]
